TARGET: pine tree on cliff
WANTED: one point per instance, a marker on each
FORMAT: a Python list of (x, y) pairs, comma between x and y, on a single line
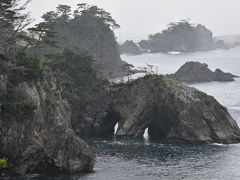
[(87, 28), (12, 22), (64, 13), (41, 35), (93, 11)]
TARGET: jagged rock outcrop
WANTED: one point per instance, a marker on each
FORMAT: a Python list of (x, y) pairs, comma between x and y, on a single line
[(129, 48), (170, 109), (195, 72), (39, 136)]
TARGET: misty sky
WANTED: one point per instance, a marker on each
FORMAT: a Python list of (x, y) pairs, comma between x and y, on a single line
[(139, 18)]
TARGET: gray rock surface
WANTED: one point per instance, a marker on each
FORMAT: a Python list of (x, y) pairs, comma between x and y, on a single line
[(44, 140), (195, 72), (170, 109), (97, 116)]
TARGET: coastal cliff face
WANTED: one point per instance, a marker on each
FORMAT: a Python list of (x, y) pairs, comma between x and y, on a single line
[(35, 128)]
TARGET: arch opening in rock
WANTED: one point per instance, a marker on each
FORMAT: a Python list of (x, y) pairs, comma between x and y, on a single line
[(106, 126), (163, 119)]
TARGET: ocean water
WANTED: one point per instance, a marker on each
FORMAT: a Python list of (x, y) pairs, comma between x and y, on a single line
[(145, 159)]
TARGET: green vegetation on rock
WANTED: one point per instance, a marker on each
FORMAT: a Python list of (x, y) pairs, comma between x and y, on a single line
[(75, 73), (14, 105), (87, 28), (3, 163)]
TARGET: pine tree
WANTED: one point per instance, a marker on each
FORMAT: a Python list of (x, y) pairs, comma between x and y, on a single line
[(12, 22)]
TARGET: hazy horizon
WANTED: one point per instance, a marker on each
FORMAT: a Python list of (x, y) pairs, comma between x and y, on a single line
[(138, 19)]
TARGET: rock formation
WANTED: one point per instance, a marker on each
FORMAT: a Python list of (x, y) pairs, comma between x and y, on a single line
[(170, 109), (173, 111), (129, 48), (195, 72)]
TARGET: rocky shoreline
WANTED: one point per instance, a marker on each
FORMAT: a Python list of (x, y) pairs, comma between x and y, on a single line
[(54, 91), (50, 138)]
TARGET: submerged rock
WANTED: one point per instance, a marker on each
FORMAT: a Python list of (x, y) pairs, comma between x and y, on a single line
[(195, 72)]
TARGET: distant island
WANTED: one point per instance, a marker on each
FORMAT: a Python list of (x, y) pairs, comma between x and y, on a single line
[(130, 48), (178, 37)]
